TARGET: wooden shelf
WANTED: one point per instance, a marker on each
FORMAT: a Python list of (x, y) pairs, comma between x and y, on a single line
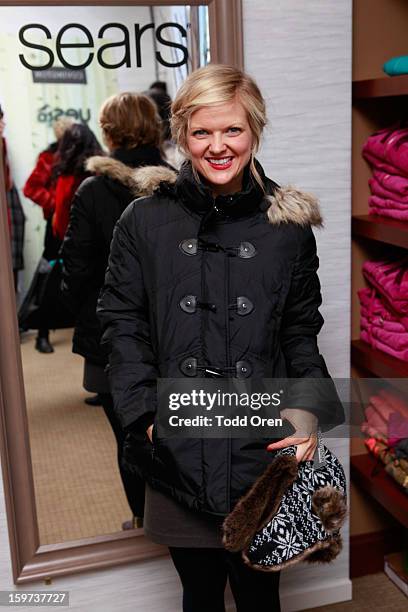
[(376, 362), (382, 229), (380, 88), (381, 487)]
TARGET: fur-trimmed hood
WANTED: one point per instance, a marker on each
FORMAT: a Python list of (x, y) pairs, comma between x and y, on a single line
[(291, 205), (287, 204), (141, 181)]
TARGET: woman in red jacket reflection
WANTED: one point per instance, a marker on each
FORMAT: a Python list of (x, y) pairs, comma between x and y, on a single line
[(40, 186), (77, 145), (52, 184)]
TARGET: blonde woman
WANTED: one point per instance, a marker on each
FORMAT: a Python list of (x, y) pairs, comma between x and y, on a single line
[(212, 275)]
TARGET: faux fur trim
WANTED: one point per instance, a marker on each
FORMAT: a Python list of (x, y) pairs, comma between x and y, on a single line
[(290, 205), (141, 181), (330, 506), (259, 504), (322, 552), (287, 204)]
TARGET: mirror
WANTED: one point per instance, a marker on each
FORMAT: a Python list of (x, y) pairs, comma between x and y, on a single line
[(60, 468)]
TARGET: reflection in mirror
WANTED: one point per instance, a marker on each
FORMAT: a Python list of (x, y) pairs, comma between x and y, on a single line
[(57, 70)]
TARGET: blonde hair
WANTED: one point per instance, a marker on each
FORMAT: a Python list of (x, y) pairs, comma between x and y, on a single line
[(212, 85), (129, 120), (60, 125)]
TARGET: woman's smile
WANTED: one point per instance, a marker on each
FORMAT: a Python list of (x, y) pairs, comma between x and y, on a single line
[(222, 163)]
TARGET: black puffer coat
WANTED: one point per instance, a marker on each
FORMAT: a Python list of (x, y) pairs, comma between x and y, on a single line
[(97, 205), (179, 245)]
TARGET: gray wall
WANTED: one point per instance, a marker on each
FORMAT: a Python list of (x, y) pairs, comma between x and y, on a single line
[(300, 53)]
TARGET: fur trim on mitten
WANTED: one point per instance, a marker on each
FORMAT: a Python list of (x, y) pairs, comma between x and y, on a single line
[(322, 552), (330, 506), (259, 504), (332, 548)]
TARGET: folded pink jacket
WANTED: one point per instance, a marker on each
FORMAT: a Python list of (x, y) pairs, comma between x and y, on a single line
[(391, 281), (380, 328), (396, 341), (386, 208), (387, 417), (394, 401), (383, 193), (389, 147), (381, 165), (376, 343), (392, 183), (373, 309), (397, 428), (376, 420)]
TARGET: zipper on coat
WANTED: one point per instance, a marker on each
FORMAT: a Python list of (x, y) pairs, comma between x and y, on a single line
[(203, 311), (203, 349), (228, 362)]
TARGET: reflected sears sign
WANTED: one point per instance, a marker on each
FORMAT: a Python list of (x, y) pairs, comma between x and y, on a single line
[(129, 53)]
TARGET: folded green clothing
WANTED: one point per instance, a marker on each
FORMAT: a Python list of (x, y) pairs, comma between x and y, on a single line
[(396, 65)]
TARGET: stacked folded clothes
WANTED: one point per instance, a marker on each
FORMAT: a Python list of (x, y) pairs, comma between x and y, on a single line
[(381, 412), (386, 426), (396, 468), (384, 307), (387, 153)]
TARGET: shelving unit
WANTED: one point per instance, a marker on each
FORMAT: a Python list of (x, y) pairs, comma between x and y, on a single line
[(380, 486), (383, 87), (376, 363), (380, 31), (382, 229)]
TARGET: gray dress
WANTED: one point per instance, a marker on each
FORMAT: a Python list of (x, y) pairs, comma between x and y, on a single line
[(165, 520), (168, 522)]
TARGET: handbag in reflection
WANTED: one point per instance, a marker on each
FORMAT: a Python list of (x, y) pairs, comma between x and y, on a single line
[(44, 305), (293, 512)]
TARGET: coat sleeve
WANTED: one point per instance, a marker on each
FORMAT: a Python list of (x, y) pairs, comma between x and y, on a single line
[(123, 313), (39, 188), (78, 251), (314, 389)]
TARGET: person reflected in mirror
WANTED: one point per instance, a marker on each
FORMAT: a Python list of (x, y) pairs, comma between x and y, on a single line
[(214, 275), (40, 188), (158, 93), (132, 132), (15, 212), (76, 146)]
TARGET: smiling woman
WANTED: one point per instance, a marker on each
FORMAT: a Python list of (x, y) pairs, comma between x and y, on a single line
[(219, 129), (225, 230)]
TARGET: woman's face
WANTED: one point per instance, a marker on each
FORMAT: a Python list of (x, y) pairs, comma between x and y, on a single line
[(220, 142)]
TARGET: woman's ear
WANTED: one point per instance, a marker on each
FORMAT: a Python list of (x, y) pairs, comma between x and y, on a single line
[(107, 141)]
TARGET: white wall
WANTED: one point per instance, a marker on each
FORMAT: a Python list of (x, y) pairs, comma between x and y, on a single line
[(300, 53)]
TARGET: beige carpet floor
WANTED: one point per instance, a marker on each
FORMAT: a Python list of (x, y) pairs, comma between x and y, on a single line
[(77, 483), (374, 593)]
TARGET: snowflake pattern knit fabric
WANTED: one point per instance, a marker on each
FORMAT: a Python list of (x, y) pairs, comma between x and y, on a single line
[(292, 513), (296, 529)]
